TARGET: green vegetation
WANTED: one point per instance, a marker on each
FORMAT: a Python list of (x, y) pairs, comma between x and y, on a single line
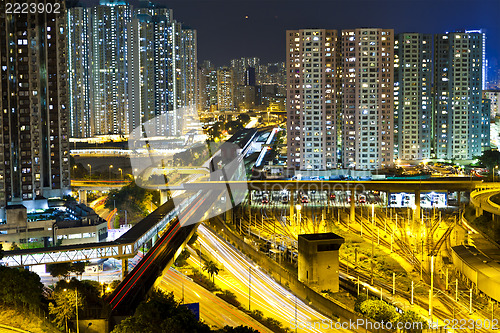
[(195, 156), (160, 312), (20, 289), (21, 301), (378, 310), (215, 131), (64, 306), (412, 318), (181, 259), (490, 159), (271, 323), (212, 269), (65, 269), (134, 199), (203, 281), (28, 321), (229, 297)]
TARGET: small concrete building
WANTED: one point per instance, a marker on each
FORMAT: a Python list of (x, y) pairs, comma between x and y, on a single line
[(319, 260)]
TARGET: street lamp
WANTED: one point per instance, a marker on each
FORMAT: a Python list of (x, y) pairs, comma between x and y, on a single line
[(250, 285), (121, 173), (373, 213), (298, 207), (90, 172), (110, 167), (494, 170)]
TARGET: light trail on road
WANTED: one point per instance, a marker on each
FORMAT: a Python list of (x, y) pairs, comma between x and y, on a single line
[(267, 295)]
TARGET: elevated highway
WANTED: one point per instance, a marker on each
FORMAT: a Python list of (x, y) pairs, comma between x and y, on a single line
[(344, 185), (98, 185), (135, 285)]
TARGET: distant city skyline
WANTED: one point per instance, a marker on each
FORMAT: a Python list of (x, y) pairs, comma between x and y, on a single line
[(225, 32)]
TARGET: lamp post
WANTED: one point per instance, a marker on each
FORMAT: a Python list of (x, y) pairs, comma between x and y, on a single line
[(76, 303), (121, 173), (299, 207), (90, 172), (494, 170), (110, 167), (431, 291), (373, 214)]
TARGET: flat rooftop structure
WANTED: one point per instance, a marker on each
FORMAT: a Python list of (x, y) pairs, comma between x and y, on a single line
[(329, 236), (480, 269)]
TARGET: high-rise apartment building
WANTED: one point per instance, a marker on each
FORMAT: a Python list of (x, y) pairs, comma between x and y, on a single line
[(413, 96), (34, 146), (161, 70), (207, 86), (239, 67), (311, 66), (494, 97), (127, 67), (367, 98), (79, 73), (109, 50), (485, 124), (484, 67), (457, 82), (225, 89)]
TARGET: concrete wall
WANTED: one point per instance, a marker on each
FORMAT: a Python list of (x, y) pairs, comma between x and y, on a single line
[(319, 268)]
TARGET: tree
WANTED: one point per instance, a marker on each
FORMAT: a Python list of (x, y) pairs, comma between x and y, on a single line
[(132, 198), (238, 329), (65, 268), (490, 159), (20, 288), (161, 313), (415, 322), (193, 239), (59, 269), (244, 118), (181, 259), (378, 310), (229, 297), (78, 267), (212, 269), (64, 306)]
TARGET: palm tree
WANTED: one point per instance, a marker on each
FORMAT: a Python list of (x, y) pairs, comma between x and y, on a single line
[(212, 269)]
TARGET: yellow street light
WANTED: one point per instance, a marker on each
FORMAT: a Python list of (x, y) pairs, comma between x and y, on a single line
[(110, 167), (121, 173)]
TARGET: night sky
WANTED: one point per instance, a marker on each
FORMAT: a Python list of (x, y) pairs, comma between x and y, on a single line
[(224, 32)]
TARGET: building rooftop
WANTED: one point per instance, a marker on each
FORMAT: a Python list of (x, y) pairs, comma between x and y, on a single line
[(322, 237)]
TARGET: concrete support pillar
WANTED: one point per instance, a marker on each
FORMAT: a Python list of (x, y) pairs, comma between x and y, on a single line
[(352, 214), (416, 215), (479, 211), (163, 196), (229, 210), (82, 196), (124, 268), (154, 239), (292, 204), (459, 198), (388, 198)]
